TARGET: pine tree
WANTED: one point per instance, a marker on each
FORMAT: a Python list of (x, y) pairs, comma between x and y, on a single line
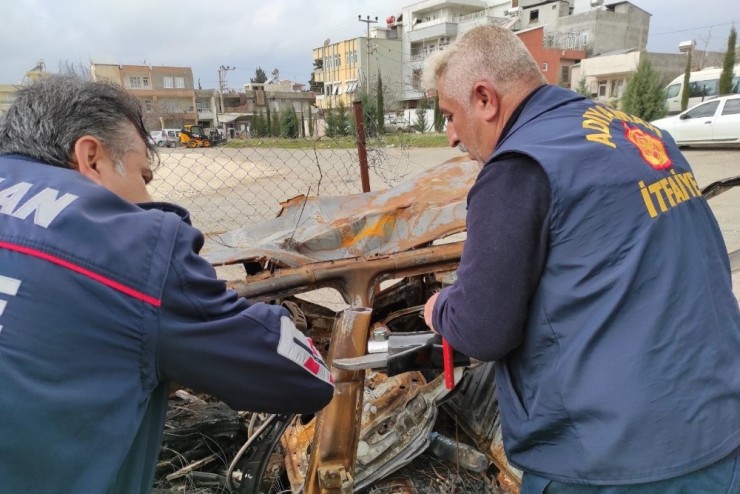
[(289, 123), (439, 119), (421, 124), (275, 129), (369, 116), (310, 121), (644, 96), (582, 88), (342, 120), (380, 106), (259, 76), (728, 64)]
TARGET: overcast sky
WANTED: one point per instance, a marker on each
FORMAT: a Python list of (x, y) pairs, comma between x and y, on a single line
[(246, 34)]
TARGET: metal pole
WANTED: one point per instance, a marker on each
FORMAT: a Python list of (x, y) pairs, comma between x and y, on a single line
[(361, 146)]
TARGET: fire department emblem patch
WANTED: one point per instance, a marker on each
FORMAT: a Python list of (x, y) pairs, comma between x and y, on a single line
[(651, 148)]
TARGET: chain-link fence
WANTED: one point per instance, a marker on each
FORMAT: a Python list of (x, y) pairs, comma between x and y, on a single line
[(226, 187)]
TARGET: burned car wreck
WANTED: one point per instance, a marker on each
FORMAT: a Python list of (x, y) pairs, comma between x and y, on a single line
[(395, 424)]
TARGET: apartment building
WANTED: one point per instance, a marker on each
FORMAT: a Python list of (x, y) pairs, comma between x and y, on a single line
[(431, 25), (167, 93), (344, 68)]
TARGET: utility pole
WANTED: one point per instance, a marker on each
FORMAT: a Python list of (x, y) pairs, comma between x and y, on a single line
[(367, 21), (222, 71)]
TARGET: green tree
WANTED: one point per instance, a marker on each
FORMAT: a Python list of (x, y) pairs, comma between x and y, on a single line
[(369, 116), (330, 121), (342, 120), (268, 121), (259, 76), (310, 120), (289, 125), (644, 96), (686, 78), (379, 106), (275, 128), (421, 123), (728, 64), (439, 119), (258, 125), (583, 89)]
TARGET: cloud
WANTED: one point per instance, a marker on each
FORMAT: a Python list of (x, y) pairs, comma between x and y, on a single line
[(246, 33)]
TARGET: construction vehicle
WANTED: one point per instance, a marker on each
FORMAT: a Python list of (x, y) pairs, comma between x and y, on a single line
[(194, 136)]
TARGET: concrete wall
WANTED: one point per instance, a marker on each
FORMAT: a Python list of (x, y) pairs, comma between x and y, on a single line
[(625, 28)]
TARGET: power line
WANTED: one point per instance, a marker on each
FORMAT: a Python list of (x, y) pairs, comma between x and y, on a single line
[(222, 70), (693, 29)]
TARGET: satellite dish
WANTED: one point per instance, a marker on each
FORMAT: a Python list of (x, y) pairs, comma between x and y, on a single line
[(327, 42)]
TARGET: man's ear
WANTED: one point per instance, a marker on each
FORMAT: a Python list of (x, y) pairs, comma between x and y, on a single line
[(87, 152), (485, 100)]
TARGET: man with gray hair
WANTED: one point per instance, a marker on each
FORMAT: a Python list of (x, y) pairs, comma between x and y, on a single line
[(104, 301), (595, 275)]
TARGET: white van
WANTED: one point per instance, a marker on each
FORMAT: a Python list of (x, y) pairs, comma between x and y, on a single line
[(703, 84)]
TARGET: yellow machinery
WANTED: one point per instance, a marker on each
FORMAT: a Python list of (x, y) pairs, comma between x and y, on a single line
[(193, 136)]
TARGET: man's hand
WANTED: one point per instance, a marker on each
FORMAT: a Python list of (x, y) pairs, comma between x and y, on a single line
[(429, 310)]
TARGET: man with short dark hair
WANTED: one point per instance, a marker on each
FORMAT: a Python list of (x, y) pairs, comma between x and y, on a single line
[(596, 276), (103, 302)]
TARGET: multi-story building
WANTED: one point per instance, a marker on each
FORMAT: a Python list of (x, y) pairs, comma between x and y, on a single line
[(240, 108), (431, 25), (556, 33), (600, 28), (167, 93), (344, 68), (7, 91)]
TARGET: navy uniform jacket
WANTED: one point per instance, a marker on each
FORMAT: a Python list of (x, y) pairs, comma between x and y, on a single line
[(101, 304), (626, 369)]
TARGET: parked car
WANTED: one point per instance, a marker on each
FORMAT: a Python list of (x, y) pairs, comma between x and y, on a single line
[(395, 123), (165, 138), (716, 121)]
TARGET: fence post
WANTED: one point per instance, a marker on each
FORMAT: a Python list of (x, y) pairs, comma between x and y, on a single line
[(361, 146)]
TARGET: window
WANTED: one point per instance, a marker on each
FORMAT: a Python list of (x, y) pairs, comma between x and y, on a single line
[(180, 82), (672, 90), (534, 15), (732, 107), (704, 88), (706, 110), (544, 66), (135, 82), (145, 81), (602, 88), (148, 104), (735, 85), (168, 82)]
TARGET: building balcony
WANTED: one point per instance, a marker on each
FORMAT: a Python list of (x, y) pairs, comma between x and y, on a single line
[(433, 30), (205, 113)]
